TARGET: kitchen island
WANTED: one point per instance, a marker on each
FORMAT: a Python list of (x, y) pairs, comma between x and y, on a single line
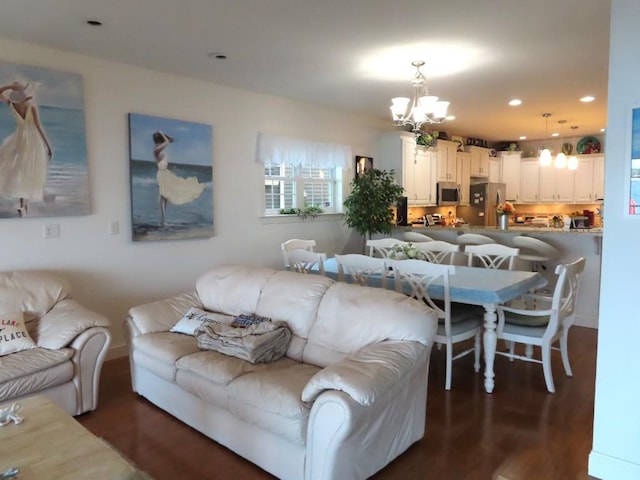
[(572, 244)]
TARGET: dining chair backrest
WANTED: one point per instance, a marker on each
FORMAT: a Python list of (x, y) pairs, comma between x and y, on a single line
[(491, 255), (380, 247), (473, 239), (420, 275), (416, 237), (362, 270), (304, 261), (565, 294), (438, 251), (293, 244)]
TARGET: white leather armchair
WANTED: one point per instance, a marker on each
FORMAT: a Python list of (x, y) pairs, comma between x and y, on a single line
[(69, 343)]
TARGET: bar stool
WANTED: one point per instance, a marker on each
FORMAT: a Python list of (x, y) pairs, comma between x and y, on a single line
[(473, 239), (535, 251)]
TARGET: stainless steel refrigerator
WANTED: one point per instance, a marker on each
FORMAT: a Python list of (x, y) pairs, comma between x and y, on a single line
[(483, 199)]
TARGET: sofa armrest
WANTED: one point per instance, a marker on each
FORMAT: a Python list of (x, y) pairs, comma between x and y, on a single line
[(368, 373), (90, 351), (161, 315), (64, 322)]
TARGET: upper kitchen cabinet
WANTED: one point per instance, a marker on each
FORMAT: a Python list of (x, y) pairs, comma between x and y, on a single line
[(589, 178), (529, 180), (495, 170), (556, 185), (414, 167), (510, 162), (464, 176), (479, 161), (447, 158)]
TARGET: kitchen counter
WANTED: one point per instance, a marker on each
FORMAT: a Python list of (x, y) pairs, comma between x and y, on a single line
[(572, 244), (512, 228)]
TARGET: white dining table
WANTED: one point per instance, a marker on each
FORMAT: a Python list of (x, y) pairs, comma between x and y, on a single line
[(476, 286)]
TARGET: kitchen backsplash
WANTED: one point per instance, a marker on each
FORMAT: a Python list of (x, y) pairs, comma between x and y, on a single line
[(524, 209)]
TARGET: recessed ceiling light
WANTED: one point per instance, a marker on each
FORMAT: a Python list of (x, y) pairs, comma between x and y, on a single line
[(555, 134), (603, 129), (588, 98), (523, 137), (94, 23), (217, 55), (450, 117), (515, 102)]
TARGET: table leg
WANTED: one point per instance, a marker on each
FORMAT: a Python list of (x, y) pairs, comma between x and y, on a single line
[(490, 342)]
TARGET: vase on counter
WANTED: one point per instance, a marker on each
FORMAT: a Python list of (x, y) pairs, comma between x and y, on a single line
[(503, 222)]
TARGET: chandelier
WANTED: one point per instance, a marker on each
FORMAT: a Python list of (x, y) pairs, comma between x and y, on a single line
[(424, 108)]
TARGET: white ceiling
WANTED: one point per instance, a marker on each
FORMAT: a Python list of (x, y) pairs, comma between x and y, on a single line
[(354, 55)]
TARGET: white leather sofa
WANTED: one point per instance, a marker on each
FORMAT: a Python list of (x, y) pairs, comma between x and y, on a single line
[(70, 343), (347, 398)]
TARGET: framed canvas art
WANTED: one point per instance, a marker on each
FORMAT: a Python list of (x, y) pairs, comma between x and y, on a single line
[(43, 153), (634, 185), (363, 164), (170, 164)]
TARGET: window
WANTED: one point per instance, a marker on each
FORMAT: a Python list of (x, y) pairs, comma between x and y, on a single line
[(287, 186), (301, 174)]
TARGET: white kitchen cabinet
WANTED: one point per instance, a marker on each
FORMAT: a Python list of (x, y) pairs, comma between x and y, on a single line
[(529, 179), (447, 161), (479, 161), (556, 185), (494, 170), (511, 174), (463, 160), (589, 178), (414, 167)]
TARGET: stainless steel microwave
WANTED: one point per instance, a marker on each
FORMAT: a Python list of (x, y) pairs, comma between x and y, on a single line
[(448, 193)]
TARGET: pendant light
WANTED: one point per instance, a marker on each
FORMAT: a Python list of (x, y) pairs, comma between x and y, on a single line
[(545, 154), (572, 163), (561, 158)]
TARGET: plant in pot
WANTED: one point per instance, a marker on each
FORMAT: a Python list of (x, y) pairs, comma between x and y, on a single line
[(368, 206), (427, 139)]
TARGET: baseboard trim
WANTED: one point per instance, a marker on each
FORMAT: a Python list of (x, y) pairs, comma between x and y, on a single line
[(589, 321), (117, 351), (606, 467)]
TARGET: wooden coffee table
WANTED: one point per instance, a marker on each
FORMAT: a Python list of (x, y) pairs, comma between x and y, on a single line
[(49, 444)]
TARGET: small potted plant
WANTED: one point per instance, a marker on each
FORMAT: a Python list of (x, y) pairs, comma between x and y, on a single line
[(427, 139)]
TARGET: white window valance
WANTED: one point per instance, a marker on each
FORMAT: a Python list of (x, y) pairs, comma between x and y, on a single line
[(297, 151)]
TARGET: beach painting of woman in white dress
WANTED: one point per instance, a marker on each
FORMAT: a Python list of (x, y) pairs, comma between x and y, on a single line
[(171, 178), (43, 158)]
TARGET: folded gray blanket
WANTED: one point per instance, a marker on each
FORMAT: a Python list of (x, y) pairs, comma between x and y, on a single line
[(259, 343)]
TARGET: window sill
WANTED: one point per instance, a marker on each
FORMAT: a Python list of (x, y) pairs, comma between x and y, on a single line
[(321, 217)]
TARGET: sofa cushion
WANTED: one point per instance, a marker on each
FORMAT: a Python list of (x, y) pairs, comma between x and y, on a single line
[(294, 298), (31, 291), (161, 315), (351, 316), (271, 399), (14, 336), (206, 374), (233, 289), (158, 352), (33, 370)]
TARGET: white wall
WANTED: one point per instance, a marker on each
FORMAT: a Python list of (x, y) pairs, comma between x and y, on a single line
[(616, 438), (111, 273)]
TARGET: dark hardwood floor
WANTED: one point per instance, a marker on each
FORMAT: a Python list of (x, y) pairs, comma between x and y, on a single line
[(520, 432)]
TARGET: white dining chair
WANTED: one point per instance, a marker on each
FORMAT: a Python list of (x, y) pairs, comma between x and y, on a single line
[(438, 251), (362, 269), (491, 255), (547, 320), (416, 237), (380, 247), (304, 261), (293, 244), (454, 325)]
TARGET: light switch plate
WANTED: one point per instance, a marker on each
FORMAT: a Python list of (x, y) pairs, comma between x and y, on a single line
[(51, 230)]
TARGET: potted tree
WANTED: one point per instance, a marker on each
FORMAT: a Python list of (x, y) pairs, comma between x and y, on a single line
[(368, 206)]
